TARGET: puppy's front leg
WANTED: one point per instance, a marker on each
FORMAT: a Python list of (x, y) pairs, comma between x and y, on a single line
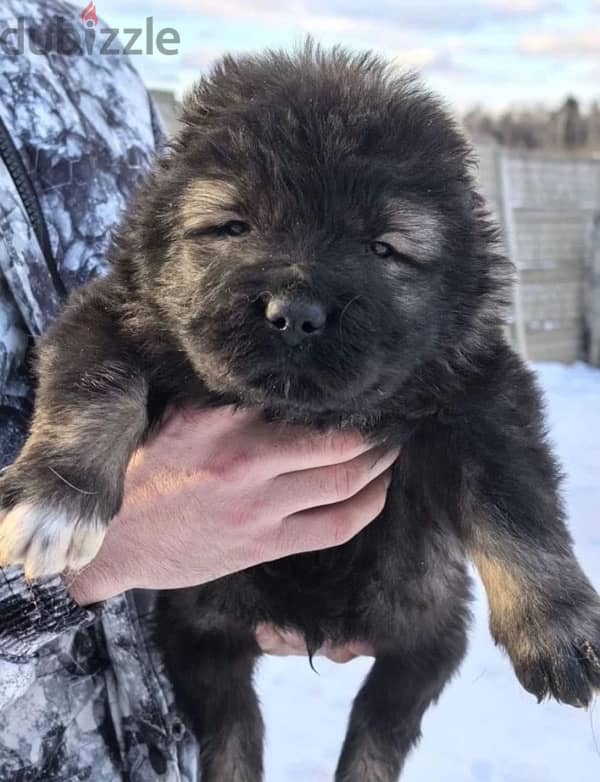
[(90, 415), (543, 609)]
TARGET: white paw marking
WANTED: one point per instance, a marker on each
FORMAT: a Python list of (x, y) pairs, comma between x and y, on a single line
[(47, 541)]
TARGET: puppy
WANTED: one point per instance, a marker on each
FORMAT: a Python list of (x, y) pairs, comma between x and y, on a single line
[(314, 245)]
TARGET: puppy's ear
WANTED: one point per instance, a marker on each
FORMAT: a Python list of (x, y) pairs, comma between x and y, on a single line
[(196, 109), (227, 83)]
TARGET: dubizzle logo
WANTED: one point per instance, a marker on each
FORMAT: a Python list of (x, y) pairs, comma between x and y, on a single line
[(89, 17), (71, 37)]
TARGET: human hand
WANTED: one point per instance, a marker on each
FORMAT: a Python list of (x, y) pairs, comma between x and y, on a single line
[(218, 491), (273, 640)]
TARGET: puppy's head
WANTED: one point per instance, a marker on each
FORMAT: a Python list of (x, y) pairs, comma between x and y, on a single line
[(315, 235)]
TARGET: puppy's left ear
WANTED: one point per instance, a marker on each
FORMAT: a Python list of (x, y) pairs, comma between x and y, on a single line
[(231, 80), (195, 108)]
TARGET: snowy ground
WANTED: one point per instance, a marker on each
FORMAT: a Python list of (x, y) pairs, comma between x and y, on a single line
[(485, 727)]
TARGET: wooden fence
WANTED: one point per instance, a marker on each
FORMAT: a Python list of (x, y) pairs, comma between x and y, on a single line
[(549, 209)]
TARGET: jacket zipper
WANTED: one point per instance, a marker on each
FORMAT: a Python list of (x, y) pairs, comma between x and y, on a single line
[(16, 168)]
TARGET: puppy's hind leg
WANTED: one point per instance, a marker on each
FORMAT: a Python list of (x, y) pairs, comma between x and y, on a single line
[(212, 677), (386, 716)]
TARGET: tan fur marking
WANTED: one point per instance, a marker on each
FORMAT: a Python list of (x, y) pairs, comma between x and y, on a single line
[(206, 202), (514, 603), (504, 589), (416, 231)]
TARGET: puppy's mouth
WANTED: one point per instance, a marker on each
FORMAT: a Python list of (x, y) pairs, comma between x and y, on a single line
[(293, 381), (291, 388)]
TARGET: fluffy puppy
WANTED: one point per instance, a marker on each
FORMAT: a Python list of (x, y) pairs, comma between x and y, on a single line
[(314, 245)]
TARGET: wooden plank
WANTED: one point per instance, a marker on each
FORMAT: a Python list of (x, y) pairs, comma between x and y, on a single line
[(545, 302), (507, 215), (548, 240), (592, 298), (550, 183)]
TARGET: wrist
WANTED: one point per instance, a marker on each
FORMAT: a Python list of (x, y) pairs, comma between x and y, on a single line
[(94, 584), (110, 573)]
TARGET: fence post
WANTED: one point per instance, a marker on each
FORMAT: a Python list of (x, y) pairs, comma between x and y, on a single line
[(507, 213), (592, 314)]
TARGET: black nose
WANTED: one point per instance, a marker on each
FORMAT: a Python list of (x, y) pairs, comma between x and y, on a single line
[(295, 319)]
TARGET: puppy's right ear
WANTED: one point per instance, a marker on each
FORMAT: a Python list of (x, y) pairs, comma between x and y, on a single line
[(211, 92)]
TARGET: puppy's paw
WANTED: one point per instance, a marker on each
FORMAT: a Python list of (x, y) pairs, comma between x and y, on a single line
[(47, 541), (563, 662)]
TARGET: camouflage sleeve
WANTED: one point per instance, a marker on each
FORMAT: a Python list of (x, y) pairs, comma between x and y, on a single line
[(30, 614)]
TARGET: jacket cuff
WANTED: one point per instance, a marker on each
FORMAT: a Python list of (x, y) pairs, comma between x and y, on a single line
[(33, 614)]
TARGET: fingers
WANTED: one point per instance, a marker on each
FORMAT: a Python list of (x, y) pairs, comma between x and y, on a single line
[(333, 525), (346, 652), (280, 449), (261, 451), (283, 642), (327, 485), (275, 640)]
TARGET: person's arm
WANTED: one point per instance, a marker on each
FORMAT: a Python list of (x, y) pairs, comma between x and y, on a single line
[(31, 615)]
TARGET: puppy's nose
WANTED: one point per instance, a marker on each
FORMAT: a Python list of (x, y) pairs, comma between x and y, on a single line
[(295, 319)]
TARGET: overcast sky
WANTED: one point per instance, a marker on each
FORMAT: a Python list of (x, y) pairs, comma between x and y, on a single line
[(492, 52)]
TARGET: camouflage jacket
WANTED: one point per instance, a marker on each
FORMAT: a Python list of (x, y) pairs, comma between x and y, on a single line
[(82, 692)]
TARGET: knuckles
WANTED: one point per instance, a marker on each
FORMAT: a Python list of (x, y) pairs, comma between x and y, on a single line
[(346, 480), (342, 528), (340, 446), (349, 519)]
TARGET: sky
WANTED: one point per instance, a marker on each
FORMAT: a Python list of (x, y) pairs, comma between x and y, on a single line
[(495, 53)]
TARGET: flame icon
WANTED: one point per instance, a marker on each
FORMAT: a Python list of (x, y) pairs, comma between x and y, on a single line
[(88, 15)]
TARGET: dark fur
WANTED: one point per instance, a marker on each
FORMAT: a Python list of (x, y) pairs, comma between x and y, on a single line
[(318, 146)]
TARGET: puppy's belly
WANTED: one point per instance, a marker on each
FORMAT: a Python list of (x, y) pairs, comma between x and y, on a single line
[(395, 594), (400, 598)]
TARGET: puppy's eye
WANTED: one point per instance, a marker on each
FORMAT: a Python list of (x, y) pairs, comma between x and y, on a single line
[(385, 250), (382, 249), (235, 228)]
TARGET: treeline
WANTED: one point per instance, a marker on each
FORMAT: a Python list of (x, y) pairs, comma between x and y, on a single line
[(568, 128)]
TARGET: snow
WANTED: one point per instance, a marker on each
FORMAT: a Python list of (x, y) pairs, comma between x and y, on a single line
[(485, 728)]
